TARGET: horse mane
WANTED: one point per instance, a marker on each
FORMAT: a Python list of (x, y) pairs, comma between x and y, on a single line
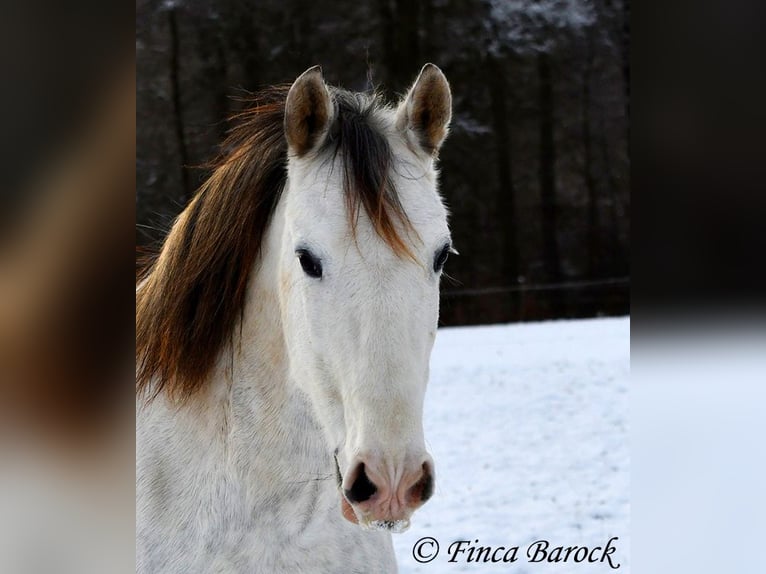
[(192, 293)]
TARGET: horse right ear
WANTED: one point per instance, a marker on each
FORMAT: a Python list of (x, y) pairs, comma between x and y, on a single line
[(308, 112)]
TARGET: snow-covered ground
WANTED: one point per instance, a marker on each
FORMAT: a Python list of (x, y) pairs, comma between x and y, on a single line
[(527, 424)]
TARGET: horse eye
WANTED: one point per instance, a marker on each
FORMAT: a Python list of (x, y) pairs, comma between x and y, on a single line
[(310, 264), (441, 258)]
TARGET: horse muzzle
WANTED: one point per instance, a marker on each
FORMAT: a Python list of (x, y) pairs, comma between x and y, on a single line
[(381, 495)]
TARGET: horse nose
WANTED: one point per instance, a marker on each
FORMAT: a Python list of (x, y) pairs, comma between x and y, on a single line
[(382, 492), (362, 488), (423, 489)]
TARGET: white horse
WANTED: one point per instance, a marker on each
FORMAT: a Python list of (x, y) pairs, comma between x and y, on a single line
[(283, 335)]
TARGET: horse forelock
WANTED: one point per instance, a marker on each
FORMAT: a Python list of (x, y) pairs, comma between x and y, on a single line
[(367, 162), (192, 295)]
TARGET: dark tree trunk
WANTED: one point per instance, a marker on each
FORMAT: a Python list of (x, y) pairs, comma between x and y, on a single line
[(616, 259), (594, 224), (300, 27), (626, 92), (178, 119), (400, 21), (388, 43), (626, 62), (427, 28), (408, 28), (547, 172), (506, 199)]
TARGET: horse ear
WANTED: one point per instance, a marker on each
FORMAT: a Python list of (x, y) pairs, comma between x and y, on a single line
[(308, 111), (426, 110)]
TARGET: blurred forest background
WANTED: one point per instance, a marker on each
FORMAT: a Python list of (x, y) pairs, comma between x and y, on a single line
[(535, 170)]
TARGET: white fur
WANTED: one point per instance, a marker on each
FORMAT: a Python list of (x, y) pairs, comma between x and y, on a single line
[(243, 479)]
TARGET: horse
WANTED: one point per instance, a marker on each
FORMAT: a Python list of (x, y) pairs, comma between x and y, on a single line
[(283, 336)]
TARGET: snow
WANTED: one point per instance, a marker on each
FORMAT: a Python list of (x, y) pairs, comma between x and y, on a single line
[(527, 424)]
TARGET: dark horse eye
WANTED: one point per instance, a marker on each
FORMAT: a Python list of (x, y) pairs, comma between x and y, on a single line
[(311, 265), (441, 258)]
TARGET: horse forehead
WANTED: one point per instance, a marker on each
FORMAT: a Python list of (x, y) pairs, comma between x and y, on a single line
[(319, 201), (417, 192)]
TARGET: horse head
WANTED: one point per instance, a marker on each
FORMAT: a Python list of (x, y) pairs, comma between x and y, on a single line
[(364, 241)]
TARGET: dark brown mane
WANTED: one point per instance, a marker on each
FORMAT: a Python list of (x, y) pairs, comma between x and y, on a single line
[(193, 294)]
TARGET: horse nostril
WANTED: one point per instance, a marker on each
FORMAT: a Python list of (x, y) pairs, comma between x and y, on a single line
[(362, 488), (422, 490)]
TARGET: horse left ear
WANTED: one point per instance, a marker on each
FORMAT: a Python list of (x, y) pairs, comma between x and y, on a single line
[(426, 110), (308, 111)]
